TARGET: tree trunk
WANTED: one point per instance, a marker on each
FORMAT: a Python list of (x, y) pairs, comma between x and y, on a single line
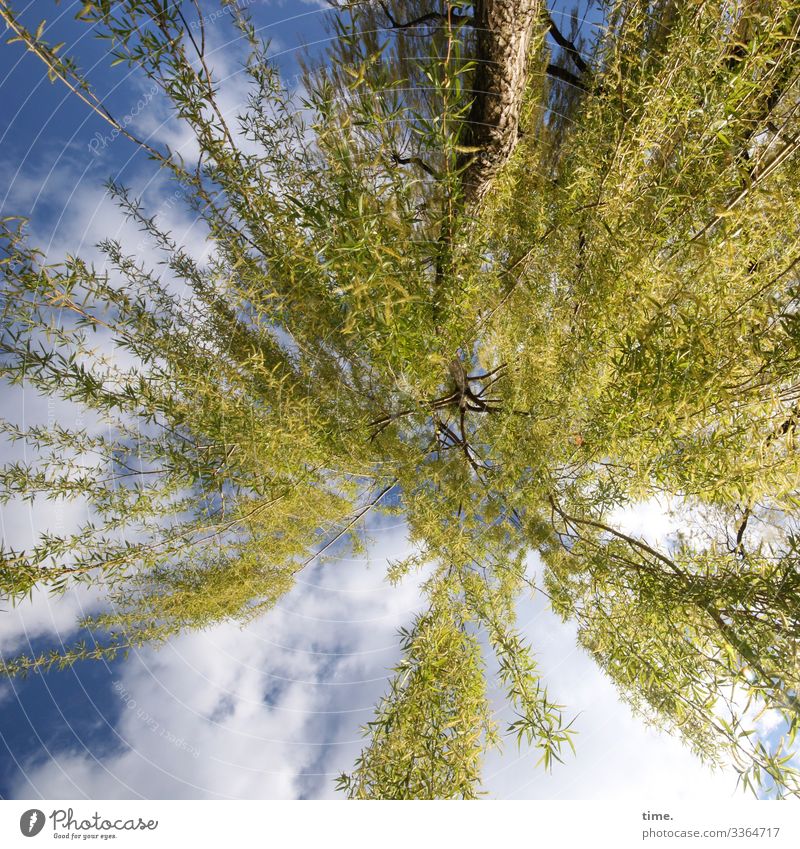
[(503, 30)]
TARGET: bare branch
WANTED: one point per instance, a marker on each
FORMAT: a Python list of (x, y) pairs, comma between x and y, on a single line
[(562, 41)]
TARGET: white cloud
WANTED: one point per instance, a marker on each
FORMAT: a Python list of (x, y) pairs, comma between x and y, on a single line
[(649, 520), (267, 712), (618, 756), (273, 711)]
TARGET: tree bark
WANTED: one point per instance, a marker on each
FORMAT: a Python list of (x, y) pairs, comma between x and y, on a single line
[(503, 30)]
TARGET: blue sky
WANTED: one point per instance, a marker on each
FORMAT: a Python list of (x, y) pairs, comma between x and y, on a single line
[(273, 711)]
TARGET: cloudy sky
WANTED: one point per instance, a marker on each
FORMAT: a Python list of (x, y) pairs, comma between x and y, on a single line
[(273, 711)]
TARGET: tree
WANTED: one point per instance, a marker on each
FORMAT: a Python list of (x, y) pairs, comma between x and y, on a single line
[(524, 280)]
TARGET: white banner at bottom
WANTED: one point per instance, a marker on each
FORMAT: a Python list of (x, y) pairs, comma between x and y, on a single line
[(392, 825)]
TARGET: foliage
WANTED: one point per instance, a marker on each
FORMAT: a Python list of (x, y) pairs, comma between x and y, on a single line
[(616, 322)]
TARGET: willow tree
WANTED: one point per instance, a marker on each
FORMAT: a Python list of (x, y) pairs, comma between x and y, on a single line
[(498, 275)]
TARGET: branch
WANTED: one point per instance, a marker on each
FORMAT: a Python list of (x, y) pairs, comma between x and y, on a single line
[(362, 512), (637, 543), (414, 160), (566, 76), (64, 73), (488, 373), (569, 46), (788, 150), (745, 650), (740, 533), (446, 17)]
